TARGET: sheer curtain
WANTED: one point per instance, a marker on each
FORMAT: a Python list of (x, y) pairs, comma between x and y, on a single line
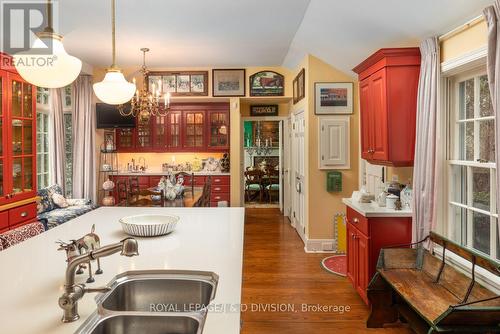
[(83, 119), (492, 15), (57, 138), (425, 165)]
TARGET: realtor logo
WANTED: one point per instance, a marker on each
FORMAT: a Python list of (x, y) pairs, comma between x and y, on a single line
[(21, 21)]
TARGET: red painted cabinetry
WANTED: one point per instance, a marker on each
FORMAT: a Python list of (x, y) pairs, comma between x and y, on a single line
[(186, 128), (388, 101), (365, 238), (17, 149)]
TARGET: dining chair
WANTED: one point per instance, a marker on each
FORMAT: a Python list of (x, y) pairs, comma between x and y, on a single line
[(121, 193), (253, 183), (204, 200), (273, 182), (148, 197), (133, 187), (187, 177)]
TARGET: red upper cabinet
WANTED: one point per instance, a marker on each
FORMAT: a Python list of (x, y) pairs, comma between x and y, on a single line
[(388, 103), (194, 127)]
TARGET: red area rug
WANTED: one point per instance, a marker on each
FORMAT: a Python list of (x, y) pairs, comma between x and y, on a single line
[(336, 264)]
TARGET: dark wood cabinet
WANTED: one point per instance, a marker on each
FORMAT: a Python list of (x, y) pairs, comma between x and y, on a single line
[(17, 150), (365, 237), (186, 128), (388, 103)]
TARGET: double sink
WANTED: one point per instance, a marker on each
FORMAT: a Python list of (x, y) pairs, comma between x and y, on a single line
[(153, 302)]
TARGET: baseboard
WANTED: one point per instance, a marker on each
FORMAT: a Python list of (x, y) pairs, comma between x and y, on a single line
[(321, 246)]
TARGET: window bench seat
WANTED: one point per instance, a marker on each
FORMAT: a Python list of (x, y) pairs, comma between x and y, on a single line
[(431, 295)]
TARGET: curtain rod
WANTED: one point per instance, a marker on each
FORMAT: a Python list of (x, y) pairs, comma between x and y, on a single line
[(461, 28)]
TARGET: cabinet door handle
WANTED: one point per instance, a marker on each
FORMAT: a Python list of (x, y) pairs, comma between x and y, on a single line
[(355, 220), (24, 214)]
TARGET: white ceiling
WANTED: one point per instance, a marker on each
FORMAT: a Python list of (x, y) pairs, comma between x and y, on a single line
[(344, 33), (182, 32), (198, 33)]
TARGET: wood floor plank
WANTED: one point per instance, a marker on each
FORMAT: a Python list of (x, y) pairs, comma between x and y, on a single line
[(285, 290)]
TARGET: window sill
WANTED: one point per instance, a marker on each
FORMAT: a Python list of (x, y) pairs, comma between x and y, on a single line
[(483, 277)]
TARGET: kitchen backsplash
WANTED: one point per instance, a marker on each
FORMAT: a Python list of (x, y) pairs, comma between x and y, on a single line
[(154, 161)]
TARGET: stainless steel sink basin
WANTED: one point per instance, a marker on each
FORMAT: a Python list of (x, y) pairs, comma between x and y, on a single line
[(160, 291), (150, 324)]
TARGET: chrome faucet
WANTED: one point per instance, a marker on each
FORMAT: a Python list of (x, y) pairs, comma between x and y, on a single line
[(74, 292)]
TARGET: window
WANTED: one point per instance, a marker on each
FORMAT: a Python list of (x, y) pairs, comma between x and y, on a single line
[(472, 212), (42, 149)]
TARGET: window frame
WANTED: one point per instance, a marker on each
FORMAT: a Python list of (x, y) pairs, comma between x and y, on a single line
[(40, 168), (452, 122)]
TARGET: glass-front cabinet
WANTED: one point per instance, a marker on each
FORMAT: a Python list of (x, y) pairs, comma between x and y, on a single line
[(194, 130), (218, 129), (17, 130)]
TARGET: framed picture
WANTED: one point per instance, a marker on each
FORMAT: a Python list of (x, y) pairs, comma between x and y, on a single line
[(228, 82), (333, 98), (261, 110), (109, 141), (299, 90), (188, 83), (267, 83)]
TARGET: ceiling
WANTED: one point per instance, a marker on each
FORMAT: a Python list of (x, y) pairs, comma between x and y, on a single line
[(234, 33)]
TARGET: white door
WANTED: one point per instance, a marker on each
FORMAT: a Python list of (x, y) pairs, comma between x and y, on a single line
[(287, 185), (298, 163)]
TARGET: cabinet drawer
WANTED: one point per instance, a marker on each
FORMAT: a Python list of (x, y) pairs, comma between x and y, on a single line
[(219, 197), (217, 189), (22, 213), (199, 180), (4, 220), (220, 180), (357, 220)]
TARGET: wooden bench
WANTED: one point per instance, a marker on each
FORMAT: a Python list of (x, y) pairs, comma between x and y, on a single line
[(413, 285)]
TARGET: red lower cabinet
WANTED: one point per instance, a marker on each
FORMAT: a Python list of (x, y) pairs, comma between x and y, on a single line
[(365, 237)]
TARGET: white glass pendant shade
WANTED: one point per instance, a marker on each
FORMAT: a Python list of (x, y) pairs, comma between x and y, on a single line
[(55, 69), (114, 89)]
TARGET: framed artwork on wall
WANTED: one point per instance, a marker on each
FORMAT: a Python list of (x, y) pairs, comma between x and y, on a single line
[(187, 83), (267, 83), (228, 82), (299, 90), (333, 98)]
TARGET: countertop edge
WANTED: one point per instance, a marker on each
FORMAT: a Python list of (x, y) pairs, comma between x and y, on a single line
[(369, 211)]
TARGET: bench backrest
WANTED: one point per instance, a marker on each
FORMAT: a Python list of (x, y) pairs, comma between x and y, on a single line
[(466, 253)]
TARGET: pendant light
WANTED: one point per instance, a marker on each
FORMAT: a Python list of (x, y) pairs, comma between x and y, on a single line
[(114, 89), (52, 69)]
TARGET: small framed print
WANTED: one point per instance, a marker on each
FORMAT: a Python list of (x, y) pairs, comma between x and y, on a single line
[(261, 110), (228, 82), (188, 83), (333, 98), (299, 86)]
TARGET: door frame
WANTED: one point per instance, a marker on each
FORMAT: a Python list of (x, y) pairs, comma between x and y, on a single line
[(282, 120), (301, 231)]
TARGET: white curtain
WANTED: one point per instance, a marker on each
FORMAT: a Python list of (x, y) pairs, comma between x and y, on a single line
[(492, 15), (84, 127), (57, 138), (425, 165)]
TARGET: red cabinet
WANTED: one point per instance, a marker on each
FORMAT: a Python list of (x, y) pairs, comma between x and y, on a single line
[(365, 238), (388, 101), (186, 128), (17, 149)]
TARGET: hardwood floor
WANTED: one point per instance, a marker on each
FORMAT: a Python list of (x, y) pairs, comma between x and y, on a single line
[(279, 278)]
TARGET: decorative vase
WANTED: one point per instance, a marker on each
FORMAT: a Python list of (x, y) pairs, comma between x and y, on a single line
[(108, 185), (108, 201)]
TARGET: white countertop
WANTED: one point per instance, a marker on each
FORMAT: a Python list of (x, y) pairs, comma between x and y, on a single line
[(160, 173), (373, 210), (32, 273)]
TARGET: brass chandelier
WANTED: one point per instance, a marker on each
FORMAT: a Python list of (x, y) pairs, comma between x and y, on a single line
[(147, 103)]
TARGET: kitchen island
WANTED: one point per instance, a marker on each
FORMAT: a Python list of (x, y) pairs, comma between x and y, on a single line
[(32, 273)]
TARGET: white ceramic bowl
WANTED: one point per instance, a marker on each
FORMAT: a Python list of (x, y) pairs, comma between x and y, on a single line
[(149, 225)]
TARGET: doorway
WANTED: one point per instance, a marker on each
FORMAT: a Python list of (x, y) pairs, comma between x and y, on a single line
[(263, 162)]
